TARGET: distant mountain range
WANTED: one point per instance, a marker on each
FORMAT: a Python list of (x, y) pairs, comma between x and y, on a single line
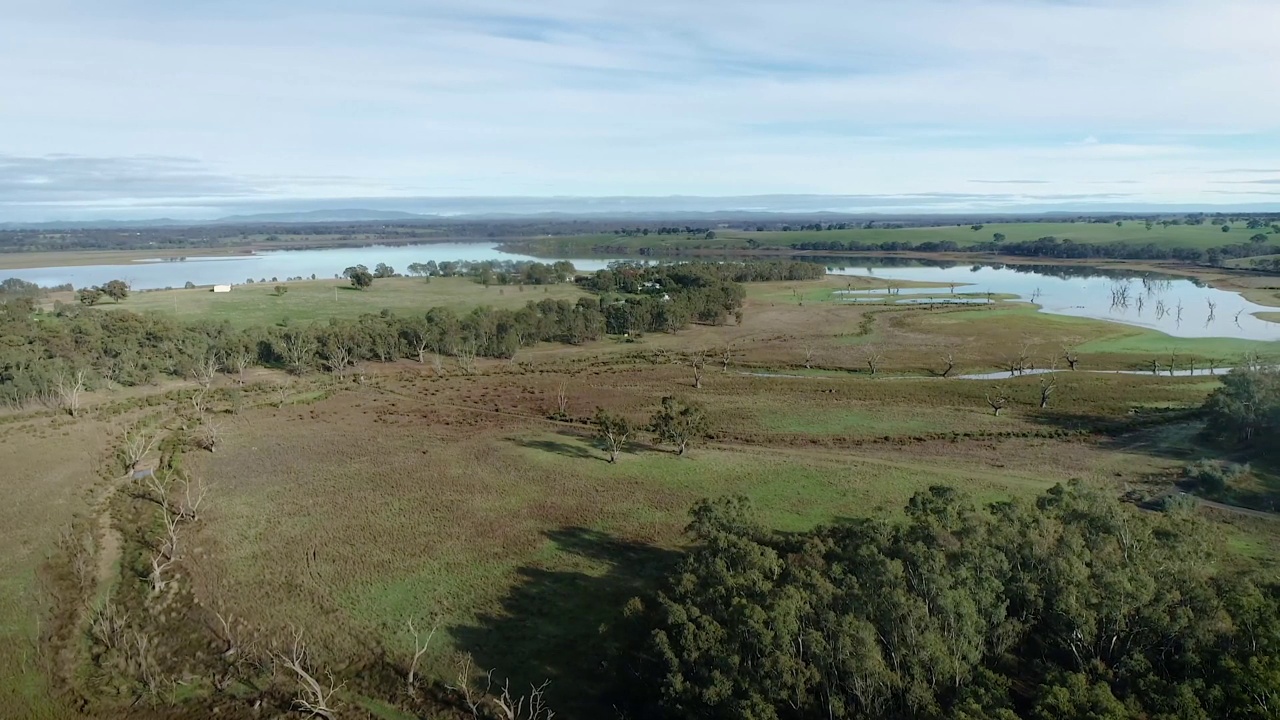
[(674, 208)]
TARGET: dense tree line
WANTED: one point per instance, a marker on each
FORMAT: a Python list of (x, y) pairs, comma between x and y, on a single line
[(1052, 247), (1073, 606), (39, 350)]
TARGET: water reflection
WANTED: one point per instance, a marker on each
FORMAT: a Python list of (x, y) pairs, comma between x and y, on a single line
[(1179, 307)]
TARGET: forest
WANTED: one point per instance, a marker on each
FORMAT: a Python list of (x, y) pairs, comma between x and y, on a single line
[(1071, 606)]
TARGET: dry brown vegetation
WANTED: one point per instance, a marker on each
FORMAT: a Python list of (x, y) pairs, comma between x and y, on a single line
[(336, 512)]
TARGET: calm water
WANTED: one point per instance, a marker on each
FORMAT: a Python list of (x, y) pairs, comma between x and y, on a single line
[(1178, 307), (323, 263), (1175, 306)]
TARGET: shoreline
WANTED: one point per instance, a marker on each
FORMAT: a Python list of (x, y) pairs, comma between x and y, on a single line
[(1259, 288)]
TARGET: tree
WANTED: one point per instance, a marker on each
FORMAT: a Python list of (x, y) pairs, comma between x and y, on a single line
[(281, 290), (1247, 406), (998, 237), (89, 296), (1226, 227), (711, 235), (998, 399), (612, 431), (383, 270), (677, 425), (976, 227), (1048, 383), (873, 357), (70, 384), (359, 276), (1258, 239), (117, 290)]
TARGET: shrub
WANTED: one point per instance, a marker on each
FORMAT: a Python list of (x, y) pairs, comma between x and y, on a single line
[(1214, 476)]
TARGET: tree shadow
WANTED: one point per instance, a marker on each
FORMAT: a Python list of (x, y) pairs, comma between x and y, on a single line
[(558, 447), (552, 625)]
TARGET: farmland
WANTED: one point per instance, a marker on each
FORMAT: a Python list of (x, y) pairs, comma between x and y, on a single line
[(306, 301), (473, 497), (1133, 232)]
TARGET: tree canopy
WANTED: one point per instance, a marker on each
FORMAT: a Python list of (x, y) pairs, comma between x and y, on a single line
[(1074, 606)]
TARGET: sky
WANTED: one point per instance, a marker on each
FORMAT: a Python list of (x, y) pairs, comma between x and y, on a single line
[(200, 108)]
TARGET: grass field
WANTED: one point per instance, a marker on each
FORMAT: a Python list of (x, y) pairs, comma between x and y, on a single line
[(1180, 236), (450, 497), (350, 508), (311, 300)]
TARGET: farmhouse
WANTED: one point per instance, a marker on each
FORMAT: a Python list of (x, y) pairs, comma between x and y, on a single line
[(222, 288)]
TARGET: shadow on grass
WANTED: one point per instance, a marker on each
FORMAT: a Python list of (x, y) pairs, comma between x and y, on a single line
[(552, 625), (567, 449)]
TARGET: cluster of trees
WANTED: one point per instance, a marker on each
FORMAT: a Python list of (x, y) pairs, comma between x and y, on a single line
[(1072, 606), (117, 290), (1246, 409), (639, 298), (498, 272), (663, 230), (676, 424)]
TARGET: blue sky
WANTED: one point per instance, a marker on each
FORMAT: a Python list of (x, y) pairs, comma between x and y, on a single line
[(142, 108)]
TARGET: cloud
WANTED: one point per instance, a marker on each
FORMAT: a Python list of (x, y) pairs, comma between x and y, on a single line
[(1011, 182), (293, 99), (1267, 181)]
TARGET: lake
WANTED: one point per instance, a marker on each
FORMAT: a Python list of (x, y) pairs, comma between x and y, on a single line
[(1175, 306), (236, 269)]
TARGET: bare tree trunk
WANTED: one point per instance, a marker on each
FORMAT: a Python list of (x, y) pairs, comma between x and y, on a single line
[(998, 401), (562, 400), (313, 698), (69, 386)]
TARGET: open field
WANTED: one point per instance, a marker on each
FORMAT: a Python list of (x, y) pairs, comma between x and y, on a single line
[(1131, 232), (345, 508), (310, 300)]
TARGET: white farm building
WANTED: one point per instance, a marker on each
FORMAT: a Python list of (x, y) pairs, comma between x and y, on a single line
[(222, 288)]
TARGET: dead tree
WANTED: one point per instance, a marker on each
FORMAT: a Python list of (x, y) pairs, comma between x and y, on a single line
[(69, 385), (237, 361), (873, 357), (506, 706), (298, 348), (999, 400), (1071, 356), (697, 361), (282, 394), (948, 362), (809, 354), (313, 697), (466, 357), (1048, 383), (726, 357), (562, 400), (1173, 362), (208, 434), (137, 443), (192, 496), (420, 645), (167, 553), (204, 371)]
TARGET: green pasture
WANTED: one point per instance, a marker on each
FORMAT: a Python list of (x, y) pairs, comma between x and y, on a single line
[(311, 300)]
